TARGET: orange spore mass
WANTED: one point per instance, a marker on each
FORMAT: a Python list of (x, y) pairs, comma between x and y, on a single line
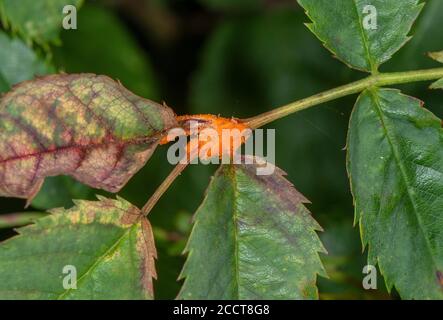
[(222, 126)]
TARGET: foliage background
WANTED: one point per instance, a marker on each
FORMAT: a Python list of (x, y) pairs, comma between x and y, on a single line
[(239, 58)]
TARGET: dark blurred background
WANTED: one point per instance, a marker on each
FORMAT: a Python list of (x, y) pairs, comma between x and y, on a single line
[(233, 58)]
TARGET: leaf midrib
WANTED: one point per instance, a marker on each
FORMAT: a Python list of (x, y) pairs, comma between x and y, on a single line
[(372, 65), (373, 92), (95, 264)]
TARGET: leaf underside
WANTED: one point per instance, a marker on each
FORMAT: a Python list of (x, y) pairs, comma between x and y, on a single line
[(83, 125), (252, 239), (107, 241), (342, 27), (395, 163)]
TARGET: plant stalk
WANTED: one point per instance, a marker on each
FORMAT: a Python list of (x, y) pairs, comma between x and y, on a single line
[(381, 79), (178, 169)]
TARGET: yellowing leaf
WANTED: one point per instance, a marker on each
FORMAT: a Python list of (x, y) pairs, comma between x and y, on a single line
[(83, 125), (106, 245)]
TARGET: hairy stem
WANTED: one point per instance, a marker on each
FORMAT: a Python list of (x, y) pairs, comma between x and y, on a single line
[(381, 79)]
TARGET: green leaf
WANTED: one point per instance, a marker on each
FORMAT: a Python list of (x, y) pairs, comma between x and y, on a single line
[(437, 84), (108, 242), (344, 31), (38, 21), (413, 56), (395, 163), (18, 62), (83, 125), (252, 239), (438, 56)]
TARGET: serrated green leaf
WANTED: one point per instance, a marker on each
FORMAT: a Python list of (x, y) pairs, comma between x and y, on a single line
[(110, 246), (38, 21), (252, 239), (18, 62), (342, 28), (83, 125), (395, 163)]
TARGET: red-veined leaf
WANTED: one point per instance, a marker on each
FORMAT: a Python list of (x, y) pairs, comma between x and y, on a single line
[(83, 125)]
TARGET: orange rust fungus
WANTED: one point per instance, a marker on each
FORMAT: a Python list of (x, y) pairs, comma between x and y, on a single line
[(238, 132)]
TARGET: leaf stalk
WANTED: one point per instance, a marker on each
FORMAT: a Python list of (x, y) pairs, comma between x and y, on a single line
[(381, 79)]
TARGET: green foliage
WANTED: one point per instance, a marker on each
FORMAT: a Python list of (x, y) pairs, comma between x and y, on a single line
[(38, 21), (252, 239), (18, 62), (107, 241), (437, 84), (252, 236), (344, 262), (342, 29), (395, 164)]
